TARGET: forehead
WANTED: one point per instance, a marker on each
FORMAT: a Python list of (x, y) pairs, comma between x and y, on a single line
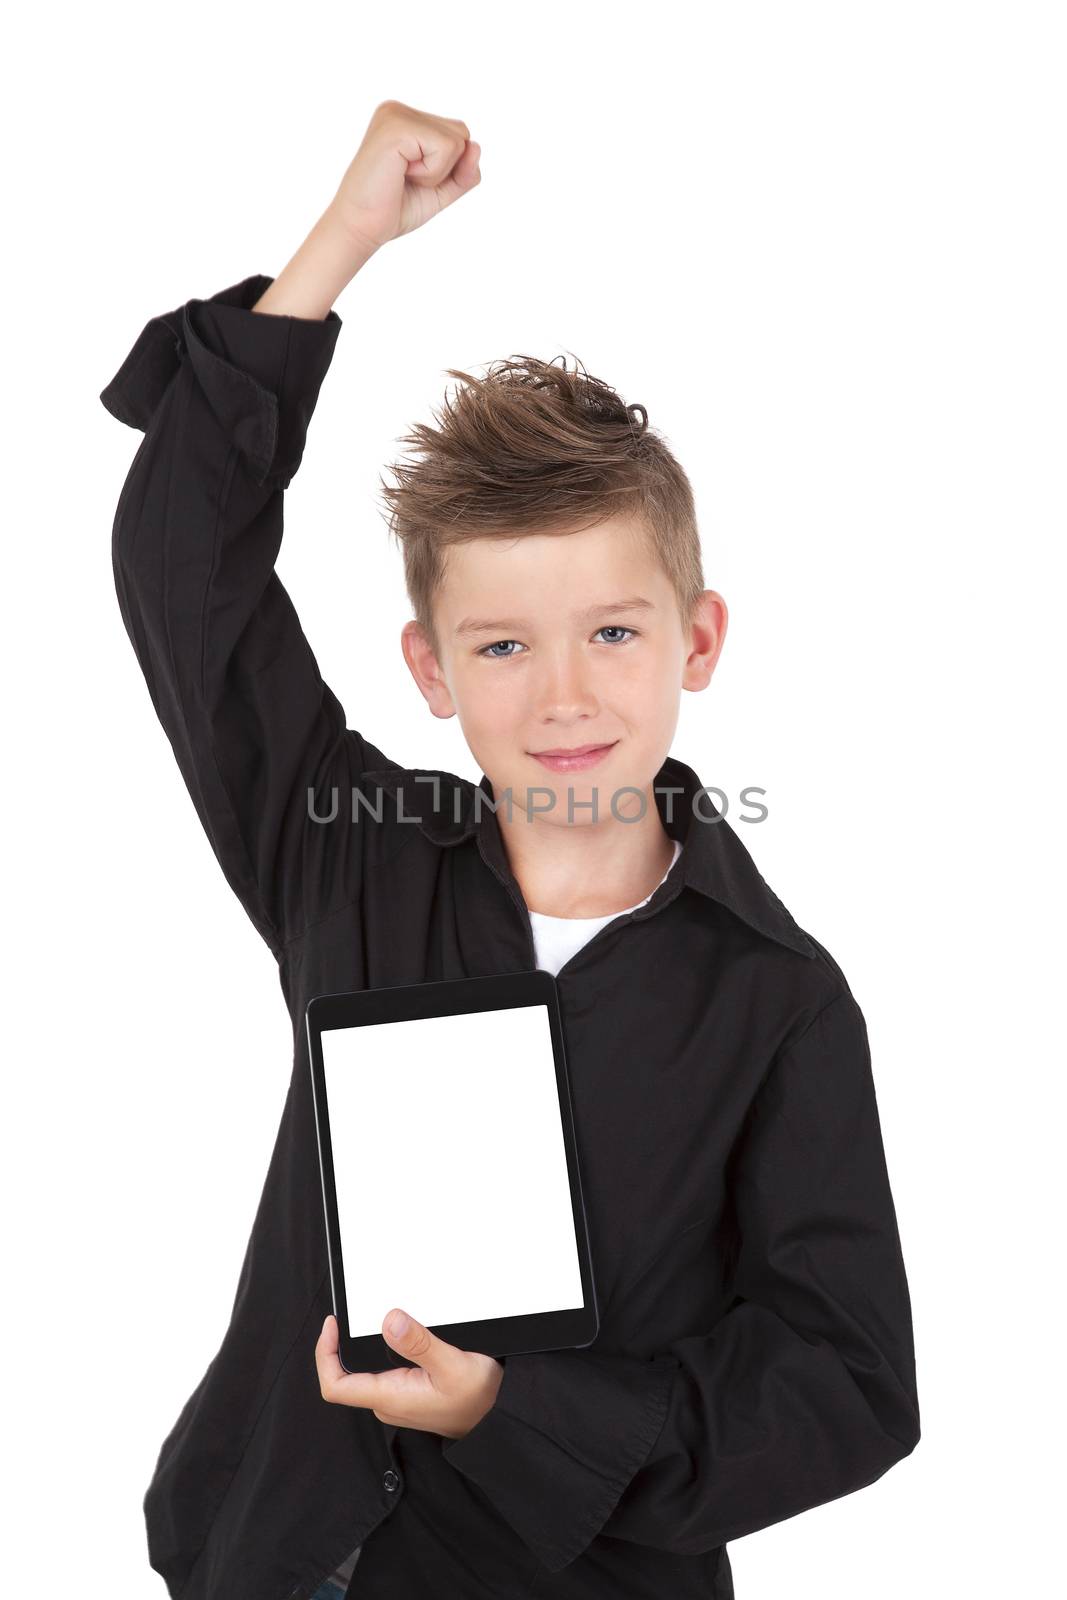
[(534, 575)]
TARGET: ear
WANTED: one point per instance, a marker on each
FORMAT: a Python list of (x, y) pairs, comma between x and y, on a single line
[(706, 635), (426, 669)]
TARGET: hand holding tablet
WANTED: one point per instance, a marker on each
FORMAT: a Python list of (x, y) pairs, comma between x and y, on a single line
[(448, 1391), (449, 1166)]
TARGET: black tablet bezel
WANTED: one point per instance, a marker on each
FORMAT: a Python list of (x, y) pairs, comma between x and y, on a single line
[(500, 1336)]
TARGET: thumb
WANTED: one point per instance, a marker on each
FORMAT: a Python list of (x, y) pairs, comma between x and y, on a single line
[(409, 1338)]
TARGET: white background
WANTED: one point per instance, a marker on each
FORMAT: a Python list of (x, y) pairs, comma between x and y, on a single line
[(823, 245)]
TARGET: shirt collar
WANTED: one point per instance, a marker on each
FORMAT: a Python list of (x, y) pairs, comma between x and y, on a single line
[(713, 861)]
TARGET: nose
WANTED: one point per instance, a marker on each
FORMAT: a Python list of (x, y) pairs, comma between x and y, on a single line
[(564, 690)]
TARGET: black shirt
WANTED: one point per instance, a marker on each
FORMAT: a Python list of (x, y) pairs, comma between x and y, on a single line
[(755, 1353)]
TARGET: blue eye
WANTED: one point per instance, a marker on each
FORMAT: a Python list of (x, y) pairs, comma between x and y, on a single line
[(615, 627), (489, 648)]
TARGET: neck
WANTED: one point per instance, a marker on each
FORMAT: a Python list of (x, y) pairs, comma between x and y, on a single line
[(585, 868)]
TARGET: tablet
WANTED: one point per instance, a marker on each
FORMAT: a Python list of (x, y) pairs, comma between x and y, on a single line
[(449, 1166)]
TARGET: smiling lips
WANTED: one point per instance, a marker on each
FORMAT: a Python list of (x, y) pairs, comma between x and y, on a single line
[(574, 760)]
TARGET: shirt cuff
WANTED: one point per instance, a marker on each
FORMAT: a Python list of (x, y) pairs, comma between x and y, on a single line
[(260, 373), (567, 1432)]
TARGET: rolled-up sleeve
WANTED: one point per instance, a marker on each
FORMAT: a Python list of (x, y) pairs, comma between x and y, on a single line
[(259, 373), (802, 1392), (224, 396)]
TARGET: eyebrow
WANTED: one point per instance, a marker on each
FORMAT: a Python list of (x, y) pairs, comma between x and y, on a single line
[(519, 624)]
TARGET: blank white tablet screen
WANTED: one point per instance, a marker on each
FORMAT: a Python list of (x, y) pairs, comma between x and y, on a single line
[(450, 1168)]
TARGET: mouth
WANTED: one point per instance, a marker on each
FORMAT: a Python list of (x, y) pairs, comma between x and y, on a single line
[(574, 759)]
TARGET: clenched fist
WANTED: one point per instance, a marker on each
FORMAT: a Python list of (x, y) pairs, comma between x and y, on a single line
[(410, 166)]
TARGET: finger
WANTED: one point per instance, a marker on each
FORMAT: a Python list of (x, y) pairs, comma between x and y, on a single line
[(431, 153), (337, 1385), (465, 175), (443, 1362)]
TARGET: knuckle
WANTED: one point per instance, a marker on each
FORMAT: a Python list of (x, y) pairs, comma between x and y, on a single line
[(390, 114)]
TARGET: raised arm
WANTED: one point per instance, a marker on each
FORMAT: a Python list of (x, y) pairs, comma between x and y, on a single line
[(224, 389)]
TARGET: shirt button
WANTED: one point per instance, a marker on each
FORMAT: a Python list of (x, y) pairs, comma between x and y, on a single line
[(391, 1480)]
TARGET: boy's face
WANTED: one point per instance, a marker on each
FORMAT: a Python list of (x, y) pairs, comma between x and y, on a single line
[(538, 654)]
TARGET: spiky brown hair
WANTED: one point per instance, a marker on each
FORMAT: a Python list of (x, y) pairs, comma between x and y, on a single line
[(533, 447)]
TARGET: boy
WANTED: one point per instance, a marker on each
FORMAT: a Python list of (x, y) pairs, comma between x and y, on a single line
[(755, 1352)]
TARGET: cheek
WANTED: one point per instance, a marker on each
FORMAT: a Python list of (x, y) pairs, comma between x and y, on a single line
[(644, 694), (489, 700), (641, 677)]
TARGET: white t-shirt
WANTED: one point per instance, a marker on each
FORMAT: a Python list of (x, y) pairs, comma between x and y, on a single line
[(556, 939)]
